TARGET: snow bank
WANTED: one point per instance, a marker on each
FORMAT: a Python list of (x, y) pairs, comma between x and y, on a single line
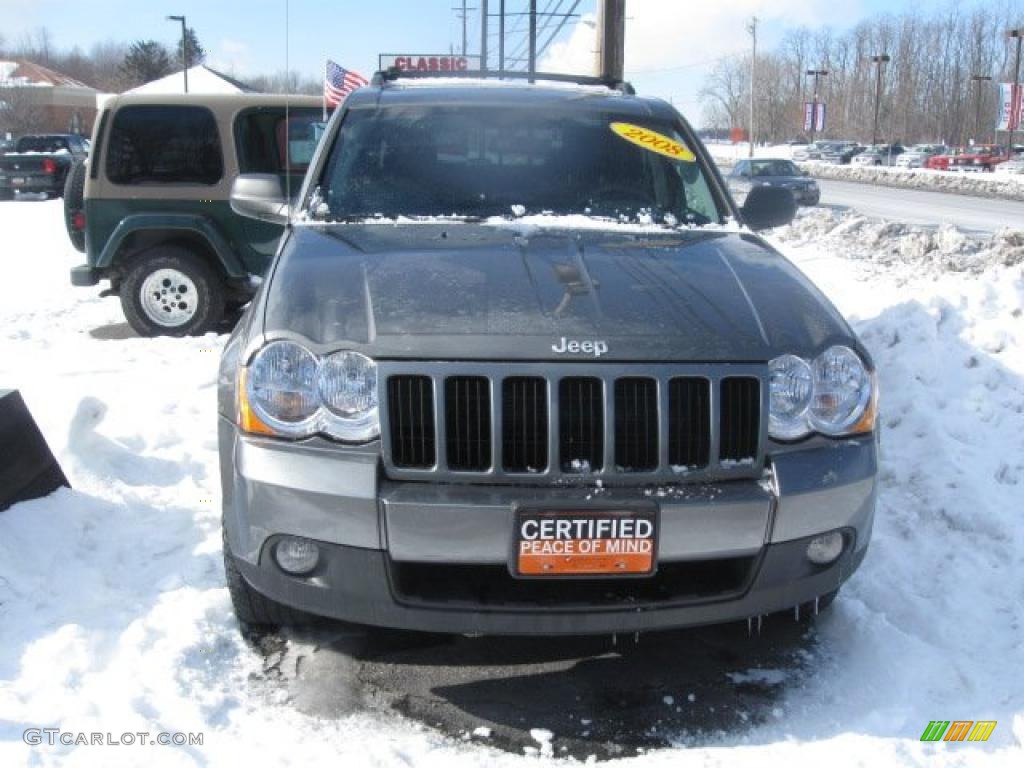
[(907, 250), (978, 184), (114, 616)]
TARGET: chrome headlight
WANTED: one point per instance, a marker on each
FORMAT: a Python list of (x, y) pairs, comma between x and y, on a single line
[(842, 389), (834, 395), (281, 388), (791, 387), (348, 391), (288, 391)]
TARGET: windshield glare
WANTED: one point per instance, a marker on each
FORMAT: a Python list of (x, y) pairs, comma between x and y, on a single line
[(430, 161)]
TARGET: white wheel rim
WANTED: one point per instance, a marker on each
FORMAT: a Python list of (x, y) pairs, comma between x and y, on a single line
[(169, 298)]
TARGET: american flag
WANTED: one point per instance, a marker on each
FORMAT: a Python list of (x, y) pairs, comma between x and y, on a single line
[(339, 83)]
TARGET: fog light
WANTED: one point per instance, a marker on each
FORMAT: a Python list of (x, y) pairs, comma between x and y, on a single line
[(826, 548), (296, 556)]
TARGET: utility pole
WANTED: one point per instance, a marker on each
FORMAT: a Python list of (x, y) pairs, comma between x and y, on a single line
[(532, 60), (184, 46), (814, 97), (978, 80), (483, 35), (463, 13), (611, 39), (501, 36), (752, 29), (1016, 97), (879, 60)]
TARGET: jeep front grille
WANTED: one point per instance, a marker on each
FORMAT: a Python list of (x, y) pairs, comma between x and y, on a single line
[(524, 413), (411, 410), (468, 418), (569, 423)]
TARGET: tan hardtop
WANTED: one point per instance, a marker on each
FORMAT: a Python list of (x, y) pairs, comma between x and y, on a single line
[(217, 102), (224, 106)]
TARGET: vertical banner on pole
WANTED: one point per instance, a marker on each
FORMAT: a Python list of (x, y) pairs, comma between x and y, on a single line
[(1011, 107), (816, 113)]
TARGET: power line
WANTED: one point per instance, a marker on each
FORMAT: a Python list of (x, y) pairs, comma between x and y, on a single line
[(551, 38), (547, 19)]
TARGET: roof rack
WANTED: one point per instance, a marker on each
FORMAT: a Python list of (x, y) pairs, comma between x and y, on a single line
[(393, 73)]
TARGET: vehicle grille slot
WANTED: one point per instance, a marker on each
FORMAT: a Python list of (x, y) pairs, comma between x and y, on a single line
[(524, 445), (581, 424), (411, 414), (689, 422), (468, 423), (636, 425), (740, 409)]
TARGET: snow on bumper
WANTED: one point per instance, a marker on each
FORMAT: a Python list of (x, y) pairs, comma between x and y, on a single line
[(435, 556)]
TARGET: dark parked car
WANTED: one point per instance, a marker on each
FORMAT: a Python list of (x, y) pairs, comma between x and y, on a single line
[(519, 368), (747, 174), (842, 153), (40, 164)]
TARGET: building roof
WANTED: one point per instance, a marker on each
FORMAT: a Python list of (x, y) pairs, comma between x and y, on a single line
[(20, 73), (201, 79)]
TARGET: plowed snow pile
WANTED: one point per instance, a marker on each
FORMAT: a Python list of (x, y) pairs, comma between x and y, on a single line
[(114, 617)]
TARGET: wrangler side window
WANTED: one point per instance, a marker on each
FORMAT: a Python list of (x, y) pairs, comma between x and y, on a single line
[(164, 145)]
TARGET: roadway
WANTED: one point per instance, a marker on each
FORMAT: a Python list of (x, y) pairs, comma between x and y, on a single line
[(923, 208)]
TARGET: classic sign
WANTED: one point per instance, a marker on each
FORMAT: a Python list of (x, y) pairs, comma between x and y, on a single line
[(428, 62)]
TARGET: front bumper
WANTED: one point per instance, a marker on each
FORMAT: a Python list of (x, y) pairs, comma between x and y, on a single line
[(434, 557)]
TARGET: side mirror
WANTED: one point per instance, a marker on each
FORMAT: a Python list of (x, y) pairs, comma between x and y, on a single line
[(259, 196), (767, 207)]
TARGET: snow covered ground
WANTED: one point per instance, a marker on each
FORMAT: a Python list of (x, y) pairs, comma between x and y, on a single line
[(114, 617)]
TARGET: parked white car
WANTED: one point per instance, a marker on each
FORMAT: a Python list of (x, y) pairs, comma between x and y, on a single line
[(918, 155)]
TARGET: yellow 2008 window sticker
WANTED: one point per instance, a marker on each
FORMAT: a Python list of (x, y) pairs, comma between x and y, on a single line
[(654, 141)]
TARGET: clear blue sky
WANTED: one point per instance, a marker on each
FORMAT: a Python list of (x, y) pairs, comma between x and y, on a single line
[(247, 36)]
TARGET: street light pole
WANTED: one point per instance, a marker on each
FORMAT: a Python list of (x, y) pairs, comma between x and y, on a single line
[(1018, 34), (753, 62), (978, 80), (814, 97), (184, 46), (879, 60)]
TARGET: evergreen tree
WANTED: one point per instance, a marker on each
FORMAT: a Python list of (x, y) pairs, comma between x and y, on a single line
[(196, 54), (145, 61)]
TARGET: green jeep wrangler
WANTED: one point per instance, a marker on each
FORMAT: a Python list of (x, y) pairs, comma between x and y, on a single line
[(151, 211)]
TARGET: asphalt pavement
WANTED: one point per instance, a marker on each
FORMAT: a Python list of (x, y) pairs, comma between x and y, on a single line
[(923, 208), (604, 696)]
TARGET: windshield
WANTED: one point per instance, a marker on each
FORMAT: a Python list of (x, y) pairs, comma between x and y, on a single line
[(48, 144), (773, 168), (426, 161)]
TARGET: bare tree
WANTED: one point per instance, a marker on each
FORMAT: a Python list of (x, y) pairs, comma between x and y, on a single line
[(20, 113), (927, 92)]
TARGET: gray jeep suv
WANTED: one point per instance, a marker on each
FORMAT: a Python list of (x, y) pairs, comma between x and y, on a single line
[(518, 368)]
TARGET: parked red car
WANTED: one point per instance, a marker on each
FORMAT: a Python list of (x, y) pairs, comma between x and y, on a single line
[(980, 157)]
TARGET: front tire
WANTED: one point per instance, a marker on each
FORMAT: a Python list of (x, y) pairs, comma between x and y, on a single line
[(169, 291)]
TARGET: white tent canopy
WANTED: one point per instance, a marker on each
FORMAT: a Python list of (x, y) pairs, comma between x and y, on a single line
[(201, 79)]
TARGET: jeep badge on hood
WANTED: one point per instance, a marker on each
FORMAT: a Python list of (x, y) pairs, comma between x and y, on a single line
[(573, 346)]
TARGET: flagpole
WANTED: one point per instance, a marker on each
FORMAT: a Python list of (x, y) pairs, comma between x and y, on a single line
[(323, 93)]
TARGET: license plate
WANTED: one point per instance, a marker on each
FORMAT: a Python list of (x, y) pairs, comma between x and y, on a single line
[(17, 180), (586, 542)]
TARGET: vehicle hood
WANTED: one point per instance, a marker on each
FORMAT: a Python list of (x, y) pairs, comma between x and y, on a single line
[(479, 291)]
